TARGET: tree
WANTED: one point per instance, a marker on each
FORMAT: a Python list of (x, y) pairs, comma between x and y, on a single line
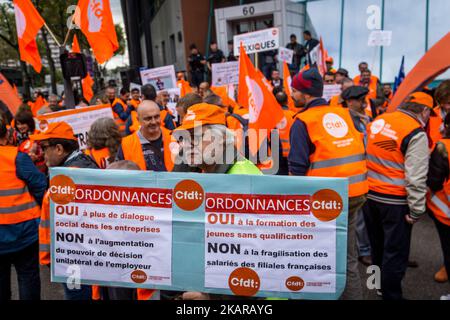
[(55, 14)]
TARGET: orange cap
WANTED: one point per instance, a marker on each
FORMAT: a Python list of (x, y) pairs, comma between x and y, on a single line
[(329, 59), (56, 130), (202, 114), (422, 98)]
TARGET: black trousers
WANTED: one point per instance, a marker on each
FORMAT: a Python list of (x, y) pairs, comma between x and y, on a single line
[(444, 236), (390, 239), (26, 263), (197, 77)]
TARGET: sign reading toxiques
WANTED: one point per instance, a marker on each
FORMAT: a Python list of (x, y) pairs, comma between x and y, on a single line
[(270, 237), (258, 41)]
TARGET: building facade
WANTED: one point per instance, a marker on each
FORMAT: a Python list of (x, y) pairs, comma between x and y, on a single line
[(160, 32)]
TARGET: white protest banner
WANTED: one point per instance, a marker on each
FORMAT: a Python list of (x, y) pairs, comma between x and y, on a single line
[(79, 119), (162, 78), (380, 38), (285, 55), (258, 41), (224, 74), (331, 90), (174, 96), (269, 236)]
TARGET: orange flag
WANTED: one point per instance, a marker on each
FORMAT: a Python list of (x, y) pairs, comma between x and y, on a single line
[(87, 82), (222, 92), (28, 24), (16, 91), (96, 22), (7, 95), (75, 45), (37, 105), (264, 110), (243, 94), (287, 80), (266, 82)]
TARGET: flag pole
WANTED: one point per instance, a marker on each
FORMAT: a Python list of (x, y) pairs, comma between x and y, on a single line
[(68, 31), (51, 33)]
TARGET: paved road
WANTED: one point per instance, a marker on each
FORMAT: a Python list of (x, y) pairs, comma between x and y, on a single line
[(418, 284)]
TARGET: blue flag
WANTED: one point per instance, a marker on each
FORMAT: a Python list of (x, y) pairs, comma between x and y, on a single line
[(401, 75)]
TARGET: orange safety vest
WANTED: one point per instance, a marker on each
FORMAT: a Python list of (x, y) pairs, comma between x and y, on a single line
[(132, 150), (439, 203), (335, 101), (99, 156), (164, 114), (44, 232), (373, 86), (119, 121), (135, 125), (385, 160), (135, 103), (357, 79), (285, 132), (388, 101), (436, 125), (339, 147), (17, 205)]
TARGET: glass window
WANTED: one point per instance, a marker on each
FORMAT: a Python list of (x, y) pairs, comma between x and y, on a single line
[(407, 20), (356, 33), (439, 25), (325, 19)]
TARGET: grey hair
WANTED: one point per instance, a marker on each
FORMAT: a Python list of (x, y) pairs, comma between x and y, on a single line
[(222, 131), (104, 133), (123, 165)]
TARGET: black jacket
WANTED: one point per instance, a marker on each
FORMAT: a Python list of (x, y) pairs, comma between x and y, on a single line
[(81, 161), (439, 170)]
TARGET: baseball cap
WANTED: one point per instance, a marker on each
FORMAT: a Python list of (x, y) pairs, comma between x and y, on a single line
[(202, 114), (423, 99), (56, 130)]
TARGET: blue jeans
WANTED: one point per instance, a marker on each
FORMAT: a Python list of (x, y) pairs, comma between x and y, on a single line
[(82, 294), (26, 263)]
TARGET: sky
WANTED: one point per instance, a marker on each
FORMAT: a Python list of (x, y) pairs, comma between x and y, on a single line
[(405, 18), (118, 61)]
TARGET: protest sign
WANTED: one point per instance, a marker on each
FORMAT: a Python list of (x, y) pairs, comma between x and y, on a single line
[(224, 74), (174, 96), (285, 55), (162, 78), (258, 41), (330, 91), (79, 119), (380, 38), (269, 237)]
